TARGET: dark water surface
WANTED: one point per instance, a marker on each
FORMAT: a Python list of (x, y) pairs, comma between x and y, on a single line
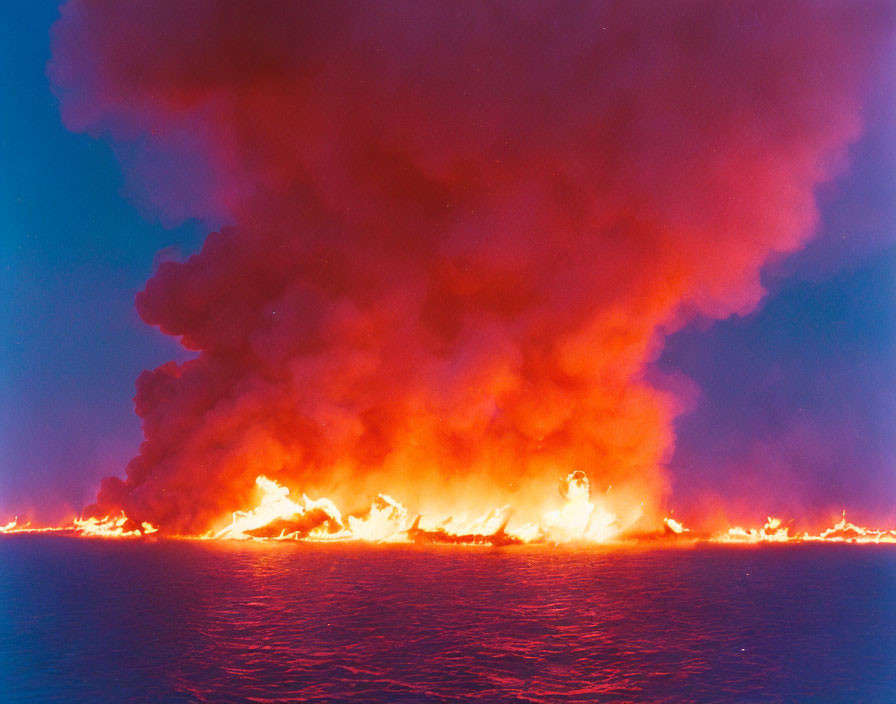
[(116, 621)]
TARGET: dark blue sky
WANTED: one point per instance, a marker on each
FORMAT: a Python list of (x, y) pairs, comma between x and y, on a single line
[(798, 396)]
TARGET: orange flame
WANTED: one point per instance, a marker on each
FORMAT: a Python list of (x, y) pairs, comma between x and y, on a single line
[(674, 526), (774, 532), (277, 516), (581, 519), (105, 527)]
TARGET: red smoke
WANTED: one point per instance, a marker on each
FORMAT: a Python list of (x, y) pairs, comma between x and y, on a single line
[(460, 230)]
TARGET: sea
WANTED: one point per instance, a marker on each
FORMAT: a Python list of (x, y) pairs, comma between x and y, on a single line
[(171, 622)]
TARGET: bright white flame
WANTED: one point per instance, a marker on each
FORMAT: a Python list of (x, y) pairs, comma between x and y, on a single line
[(386, 522), (579, 518), (675, 526), (275, 504)]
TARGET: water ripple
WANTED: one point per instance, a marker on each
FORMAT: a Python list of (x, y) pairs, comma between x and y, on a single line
[(172, 623)]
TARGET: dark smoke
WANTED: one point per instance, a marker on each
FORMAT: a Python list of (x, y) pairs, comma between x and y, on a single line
[(460, 230)]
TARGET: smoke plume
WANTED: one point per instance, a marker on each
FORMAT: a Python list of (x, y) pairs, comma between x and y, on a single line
[(459, 233)]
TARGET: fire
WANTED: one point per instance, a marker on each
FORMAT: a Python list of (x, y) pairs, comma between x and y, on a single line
[(582, 518), (674, 526), (277, 510), (771, 532), (844, 531), (467, 288), (386, 521), (579, 519), (117, 526), (112, 527), (774, 532)]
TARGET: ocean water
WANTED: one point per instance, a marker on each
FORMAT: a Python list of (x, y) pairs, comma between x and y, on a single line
[(171, 622)]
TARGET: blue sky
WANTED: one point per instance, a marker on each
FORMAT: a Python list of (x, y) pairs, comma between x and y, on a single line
[(75, 252)]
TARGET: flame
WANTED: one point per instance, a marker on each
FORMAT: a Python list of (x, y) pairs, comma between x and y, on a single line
[(582, 518), (844, 531), (277, 516), (774, 532), (386, 521), (112, 527), (276, 506), (116, 526), (771, 532), (674, 526)]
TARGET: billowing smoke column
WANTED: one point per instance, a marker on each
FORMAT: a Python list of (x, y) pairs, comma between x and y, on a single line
[(460, 230)]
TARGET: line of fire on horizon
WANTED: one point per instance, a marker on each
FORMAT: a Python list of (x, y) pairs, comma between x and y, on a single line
[(581, 520)]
